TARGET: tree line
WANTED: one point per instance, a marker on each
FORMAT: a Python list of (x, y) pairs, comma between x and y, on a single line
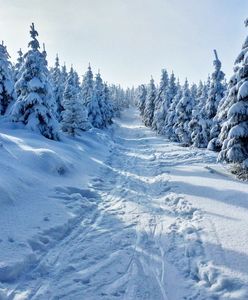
[(53, 101), (212, 114)]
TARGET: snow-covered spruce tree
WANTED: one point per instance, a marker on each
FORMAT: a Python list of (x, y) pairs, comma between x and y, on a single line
[(227, 101), (33, 105), (141, 98), (173, 87), (150, 104), (171, 92), (64, 75), (58, 87), (83, 120), (193, 91), (93, 105), (87, 88), (235, 129), (108, 100), (100, 98), (74, 115), (197, 123), (109, 114), (18, 65), (7, 94), (184, 114), (101, 92), (161, 103), (194, 126), (171, 117), (217, 89), (215, 94)]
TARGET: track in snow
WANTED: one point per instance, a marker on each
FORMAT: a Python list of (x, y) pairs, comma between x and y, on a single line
[(141, 238)]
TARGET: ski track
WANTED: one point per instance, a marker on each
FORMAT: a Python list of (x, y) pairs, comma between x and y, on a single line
[(140, 239)]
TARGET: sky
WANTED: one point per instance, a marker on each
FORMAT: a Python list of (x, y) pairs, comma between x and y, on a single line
[(130, 40)]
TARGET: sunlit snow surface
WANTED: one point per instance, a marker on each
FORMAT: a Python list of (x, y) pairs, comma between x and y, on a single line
[(119, 214)]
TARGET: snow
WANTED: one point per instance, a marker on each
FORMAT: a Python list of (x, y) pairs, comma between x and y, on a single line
[(119, 214), (243, 91), (35, 83)]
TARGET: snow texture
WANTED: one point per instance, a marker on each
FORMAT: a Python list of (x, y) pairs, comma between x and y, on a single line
[(138, 218)]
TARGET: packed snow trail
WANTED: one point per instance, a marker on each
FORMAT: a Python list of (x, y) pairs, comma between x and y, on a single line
[(152, 230)]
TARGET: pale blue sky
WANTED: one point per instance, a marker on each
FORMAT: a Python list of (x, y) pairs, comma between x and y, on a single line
[(130, 40)]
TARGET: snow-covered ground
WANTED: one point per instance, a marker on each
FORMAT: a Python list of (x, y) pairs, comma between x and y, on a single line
[(120, 214)]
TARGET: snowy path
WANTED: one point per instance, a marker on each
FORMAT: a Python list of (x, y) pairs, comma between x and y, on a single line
[(160, 226)]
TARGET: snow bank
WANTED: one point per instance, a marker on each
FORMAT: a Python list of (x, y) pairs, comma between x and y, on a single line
[(41, 194)]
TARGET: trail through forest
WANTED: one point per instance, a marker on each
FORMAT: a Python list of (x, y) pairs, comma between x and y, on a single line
[(162, 223)]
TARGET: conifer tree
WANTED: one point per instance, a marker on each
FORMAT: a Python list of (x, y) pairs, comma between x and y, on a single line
[(58, 86), (161, 103), (74, 115), (87, 88), (150, 104), (197, 124), (173, 87), (217, 89), (35, 95), (7, 94), (184, 113), (215, 94), (18, 65), (109, 113), (218, 137), (93, 101), (235, 130), (193, 91), (99, 95), (64, 75), (171, 117), (169, 94), (141, 98)]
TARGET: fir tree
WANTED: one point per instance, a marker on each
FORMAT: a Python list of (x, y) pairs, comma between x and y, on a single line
[(173, 87), (109, 113), (74, 115), (235, 130), (64, 75), (227, 101), (184, 113), (87, 88), (150, 104), (193, 91), (161, 103), (93, 101), (58, 87), (216, 93), (100, 98), (33, 105), (7, 94), (170, 93), (197, 123), (18, 64), (141, 98), (171, 117)]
